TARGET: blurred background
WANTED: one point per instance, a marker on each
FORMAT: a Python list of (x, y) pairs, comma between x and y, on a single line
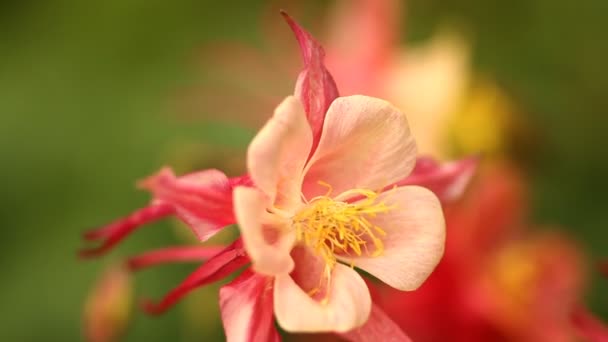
[(97, 94)]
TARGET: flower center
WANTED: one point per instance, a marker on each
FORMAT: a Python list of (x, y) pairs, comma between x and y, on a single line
[(332, 227)]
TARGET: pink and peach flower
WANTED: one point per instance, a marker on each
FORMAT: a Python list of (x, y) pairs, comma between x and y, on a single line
[(303, 237), (311, 220)]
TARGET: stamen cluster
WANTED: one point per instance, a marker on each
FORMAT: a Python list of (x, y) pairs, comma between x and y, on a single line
[(332, 227)]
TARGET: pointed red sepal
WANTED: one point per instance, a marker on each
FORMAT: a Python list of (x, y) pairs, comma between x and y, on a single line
[(379, 327), (118, 230), (447, 180), (218, 267), (172, 255), (315, 87), (202, 199), (246, 305), (589, 326)]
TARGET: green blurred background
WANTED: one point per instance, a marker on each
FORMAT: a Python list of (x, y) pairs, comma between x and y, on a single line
[(85, 88)]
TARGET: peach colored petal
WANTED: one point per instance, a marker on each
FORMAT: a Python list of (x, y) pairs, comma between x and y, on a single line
[(276, 156), (414, 242), (366, 143), (348, 305), (267, 243)]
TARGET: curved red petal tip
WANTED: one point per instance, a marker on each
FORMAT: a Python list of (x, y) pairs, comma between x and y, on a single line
[(309, 47), (115, 232), (152, 181), (94, 234), (93, 252), (315, 86), (151, 308)]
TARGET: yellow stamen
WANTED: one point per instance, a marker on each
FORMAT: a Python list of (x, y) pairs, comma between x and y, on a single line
[(331, 227)]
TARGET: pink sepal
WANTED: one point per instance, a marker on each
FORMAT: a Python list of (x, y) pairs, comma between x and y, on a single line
[(379, 327), (218, 267), (447, 180), (247, 308), (172, 255), (315, 87), (116, 231), (201, 199)]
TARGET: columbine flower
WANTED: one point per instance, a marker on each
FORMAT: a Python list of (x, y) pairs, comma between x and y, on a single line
[(328, 190), (327, 199)]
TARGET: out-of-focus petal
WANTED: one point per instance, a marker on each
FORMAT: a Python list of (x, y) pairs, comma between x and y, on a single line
[(247, 310), (218, 267), (414, 242), (108, 306), (604, 268), (172, 255), (276, 156), (118, 230), (379, 327), (497, 194), (447, 180), (202, 199), (589, 326), (521, 281), (315, 86), (267, 243), (362, 41), (366, 143), (347, 307), (428, 83)]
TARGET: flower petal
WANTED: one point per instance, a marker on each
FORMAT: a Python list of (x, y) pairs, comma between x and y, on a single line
[(448, 180), (202, 199), (115, 232), (268, 244), (366, 143), (218, 267), (428, 83), (589, 326), (171, 255), (315, 86), (362, 42), (276, 156), (347, 307), (414, 242), (379, 327), (246, 305)]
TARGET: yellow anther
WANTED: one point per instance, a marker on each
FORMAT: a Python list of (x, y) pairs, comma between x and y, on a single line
[(331, 226)]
